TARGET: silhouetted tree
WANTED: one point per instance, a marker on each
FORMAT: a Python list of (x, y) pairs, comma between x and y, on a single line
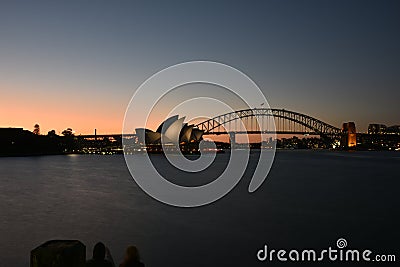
[(68, 132), (52, 133), (36, 129)]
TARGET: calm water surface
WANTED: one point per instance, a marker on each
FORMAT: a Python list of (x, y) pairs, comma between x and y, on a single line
[(309, 200)]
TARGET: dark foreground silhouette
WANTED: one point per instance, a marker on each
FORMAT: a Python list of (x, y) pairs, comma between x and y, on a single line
[(102, 257), (132, 258), (71, 253)]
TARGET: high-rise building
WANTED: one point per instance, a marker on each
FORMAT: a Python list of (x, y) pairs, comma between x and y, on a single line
[(377, 128)]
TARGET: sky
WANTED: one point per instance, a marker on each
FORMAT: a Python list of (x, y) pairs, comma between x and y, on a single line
[(77, 63)]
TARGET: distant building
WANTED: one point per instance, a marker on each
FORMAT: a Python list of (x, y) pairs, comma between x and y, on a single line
[(377, 128), (395, 129), (383, 129), (20, 142), (8, 135)]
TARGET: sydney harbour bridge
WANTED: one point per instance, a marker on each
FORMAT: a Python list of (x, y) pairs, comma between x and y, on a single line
[(259, 121)]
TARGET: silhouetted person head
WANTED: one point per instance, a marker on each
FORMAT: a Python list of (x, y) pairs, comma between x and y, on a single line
[(132, 257), (99, 251)]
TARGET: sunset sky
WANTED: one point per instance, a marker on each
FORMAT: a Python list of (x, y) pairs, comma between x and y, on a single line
[(77, 63)]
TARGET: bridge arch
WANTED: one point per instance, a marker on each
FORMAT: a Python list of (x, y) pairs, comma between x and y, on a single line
[(314, 125)]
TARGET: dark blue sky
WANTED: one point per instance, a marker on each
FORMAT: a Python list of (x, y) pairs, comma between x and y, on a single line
[(82, 60)]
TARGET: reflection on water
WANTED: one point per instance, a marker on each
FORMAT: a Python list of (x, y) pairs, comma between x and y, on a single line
[(310, 199)]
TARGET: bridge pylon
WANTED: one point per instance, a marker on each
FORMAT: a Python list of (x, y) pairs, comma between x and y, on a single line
[(232, 139)]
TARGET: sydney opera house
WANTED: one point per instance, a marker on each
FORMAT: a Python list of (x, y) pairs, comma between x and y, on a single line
[(172, 131)]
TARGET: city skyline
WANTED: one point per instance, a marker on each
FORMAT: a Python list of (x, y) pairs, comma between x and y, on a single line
[(77, 65)]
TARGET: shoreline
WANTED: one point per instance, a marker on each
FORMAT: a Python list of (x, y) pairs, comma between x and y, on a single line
[(22, 155)]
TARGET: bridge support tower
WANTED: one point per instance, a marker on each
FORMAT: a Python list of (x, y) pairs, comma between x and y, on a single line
[(349, 137), (232, 139)]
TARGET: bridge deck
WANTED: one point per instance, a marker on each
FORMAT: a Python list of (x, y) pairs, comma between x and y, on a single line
[(262, 132)]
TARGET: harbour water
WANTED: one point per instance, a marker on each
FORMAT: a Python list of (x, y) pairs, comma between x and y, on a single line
[(309, 200)]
